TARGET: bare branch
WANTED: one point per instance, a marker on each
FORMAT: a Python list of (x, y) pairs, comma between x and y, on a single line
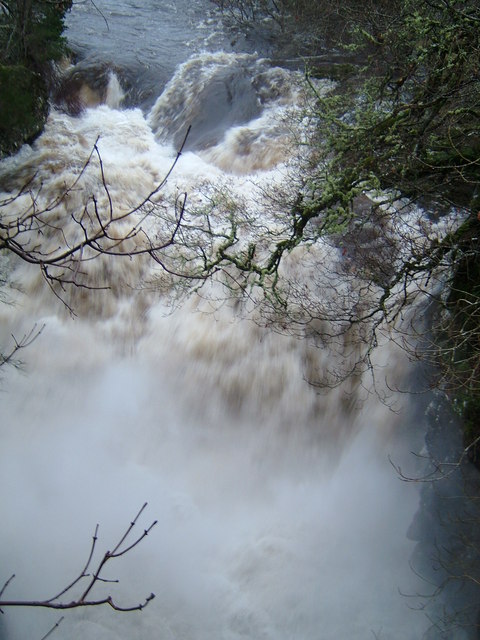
[(55, 626), (18, 344), (95, 577), (28, 228)]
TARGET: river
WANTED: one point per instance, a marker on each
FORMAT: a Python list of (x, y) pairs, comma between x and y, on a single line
[(280, 516)]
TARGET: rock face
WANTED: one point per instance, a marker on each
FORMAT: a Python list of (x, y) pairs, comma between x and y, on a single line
[(87, 84), (446, 527)]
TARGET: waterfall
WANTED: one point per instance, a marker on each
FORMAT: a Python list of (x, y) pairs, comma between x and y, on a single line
[(279, 513)]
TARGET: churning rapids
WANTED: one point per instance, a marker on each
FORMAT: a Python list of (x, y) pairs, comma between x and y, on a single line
[(280, 516)]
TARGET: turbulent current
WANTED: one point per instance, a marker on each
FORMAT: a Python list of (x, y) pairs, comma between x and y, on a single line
[(279, 514)]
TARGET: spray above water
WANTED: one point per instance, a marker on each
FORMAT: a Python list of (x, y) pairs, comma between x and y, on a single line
[(258, 536), (279, 514)]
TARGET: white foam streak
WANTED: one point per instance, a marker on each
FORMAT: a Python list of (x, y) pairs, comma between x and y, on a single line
[(114, 94)]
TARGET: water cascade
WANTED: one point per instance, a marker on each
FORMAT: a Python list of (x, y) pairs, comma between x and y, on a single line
[(279, 513)]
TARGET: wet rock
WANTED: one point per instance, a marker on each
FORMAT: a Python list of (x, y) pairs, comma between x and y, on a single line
[(86, 85), (446, 527)]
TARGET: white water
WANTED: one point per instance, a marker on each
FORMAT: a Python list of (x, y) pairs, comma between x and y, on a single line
[(258, 537), (279, 514)]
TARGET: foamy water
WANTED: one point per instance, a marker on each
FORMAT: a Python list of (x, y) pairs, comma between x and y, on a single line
[(268, 526), (279, 514)]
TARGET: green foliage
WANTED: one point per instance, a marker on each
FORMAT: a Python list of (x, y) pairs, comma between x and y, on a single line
[(459, 331), (413, 116), (23, 106), (407, 127), (31, 31), (30, 39), (411, 125), (414, 121)]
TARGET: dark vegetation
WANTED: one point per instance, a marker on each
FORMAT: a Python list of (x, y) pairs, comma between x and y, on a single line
[(31, 42), (404, 118)]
